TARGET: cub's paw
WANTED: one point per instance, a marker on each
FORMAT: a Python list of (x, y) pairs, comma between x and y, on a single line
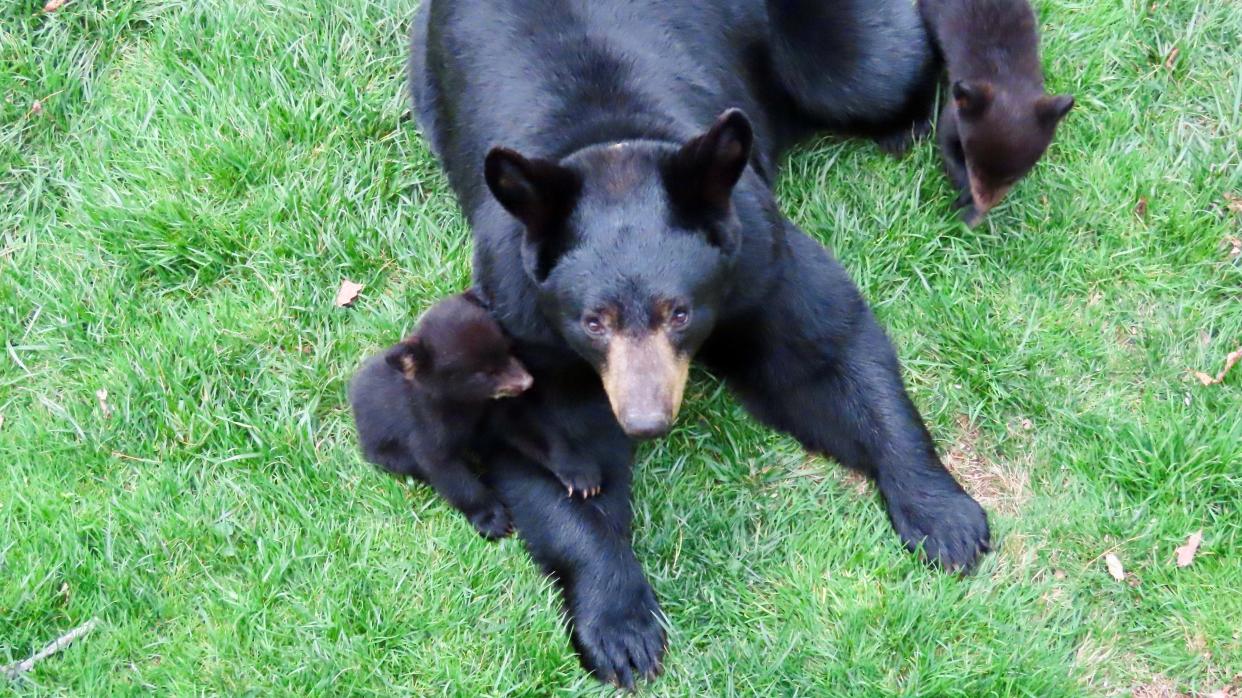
[(922, 128), (971, 216), (898, 143), (491, 520), (951, 527), (581, 482), (964, 200), (964, 204), (619, 638)]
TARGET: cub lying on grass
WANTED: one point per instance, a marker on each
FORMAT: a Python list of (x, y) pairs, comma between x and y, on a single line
[(422, 405)]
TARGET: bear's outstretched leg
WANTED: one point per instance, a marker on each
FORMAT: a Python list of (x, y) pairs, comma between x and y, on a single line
[(615, 621), (813, 362)]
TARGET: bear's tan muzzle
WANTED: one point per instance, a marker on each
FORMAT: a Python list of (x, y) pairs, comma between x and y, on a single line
[(645, 378)]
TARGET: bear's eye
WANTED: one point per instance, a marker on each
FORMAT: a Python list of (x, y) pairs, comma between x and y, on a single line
[(594, 325), (679, 318)]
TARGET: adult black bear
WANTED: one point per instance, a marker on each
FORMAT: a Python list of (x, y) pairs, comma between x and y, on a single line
[(617, 236)]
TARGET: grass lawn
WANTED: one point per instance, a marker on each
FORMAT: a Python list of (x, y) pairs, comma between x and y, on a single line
[(199, 176)]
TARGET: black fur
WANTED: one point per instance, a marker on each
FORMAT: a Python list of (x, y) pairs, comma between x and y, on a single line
[(997, 120), (856, 65), (616, 195), (419, 405), (563, 443)]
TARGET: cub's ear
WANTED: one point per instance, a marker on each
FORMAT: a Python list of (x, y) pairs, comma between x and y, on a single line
[(1052, 108), (409, 356), (700, 177), (972, 97), (539, 193), (474, 297)]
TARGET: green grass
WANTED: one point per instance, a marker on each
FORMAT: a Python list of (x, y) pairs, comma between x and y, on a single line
[(174, 223)]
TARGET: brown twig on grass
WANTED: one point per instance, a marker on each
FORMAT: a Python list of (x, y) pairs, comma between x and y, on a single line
[(14, 670)]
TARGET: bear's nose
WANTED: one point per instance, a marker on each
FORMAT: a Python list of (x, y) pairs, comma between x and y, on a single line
[(645, 425)]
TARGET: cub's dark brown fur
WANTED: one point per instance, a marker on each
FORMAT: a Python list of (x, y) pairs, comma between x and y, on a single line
[(426, 404), (998, 120), (419, 406)]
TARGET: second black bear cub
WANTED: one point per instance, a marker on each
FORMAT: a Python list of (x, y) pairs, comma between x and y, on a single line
[(999, 121)]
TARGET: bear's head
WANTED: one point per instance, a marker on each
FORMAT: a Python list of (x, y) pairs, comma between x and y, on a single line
[(631, 247), (459, 353), (1004, 132)]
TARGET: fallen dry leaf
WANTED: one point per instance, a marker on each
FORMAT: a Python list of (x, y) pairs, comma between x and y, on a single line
[(348, 293), (1140, 208), (1232, 358), (1186, 553), (1232, 246), (1114, 567), (102, 396), (1234, 201), (53, 5), (1170, 59)]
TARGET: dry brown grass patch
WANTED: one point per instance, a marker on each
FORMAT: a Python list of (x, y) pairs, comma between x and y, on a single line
[(1000, 485)]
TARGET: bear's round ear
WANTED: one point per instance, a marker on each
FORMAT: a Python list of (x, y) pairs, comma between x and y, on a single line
[(700, 177), (1052, 108), (972, 97), (539, 193), (409, 356)]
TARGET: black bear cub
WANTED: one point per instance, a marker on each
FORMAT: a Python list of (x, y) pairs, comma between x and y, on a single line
[(419, 406), (422, 406), (999, 120)]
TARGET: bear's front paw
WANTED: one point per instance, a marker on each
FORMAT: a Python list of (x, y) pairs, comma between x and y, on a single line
[(951, 528), (619, 637), (582, 482), (491, 520)]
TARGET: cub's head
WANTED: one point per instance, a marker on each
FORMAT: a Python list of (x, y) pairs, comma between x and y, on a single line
[(459, 352), (631, 246), (1004, 133)]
